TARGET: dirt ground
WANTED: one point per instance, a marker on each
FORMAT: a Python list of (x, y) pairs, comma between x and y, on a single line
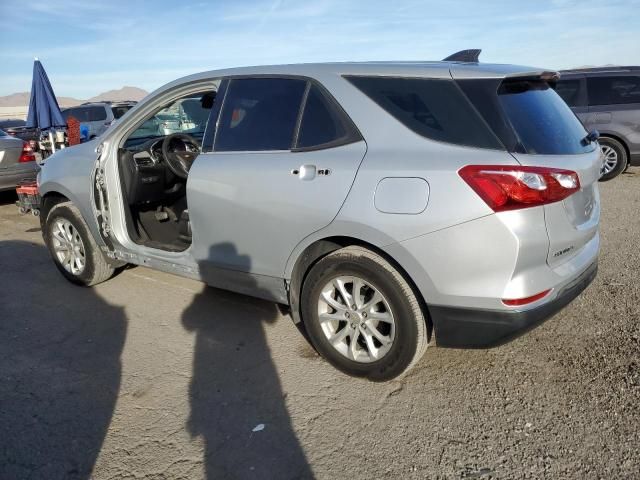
[(153, 376)]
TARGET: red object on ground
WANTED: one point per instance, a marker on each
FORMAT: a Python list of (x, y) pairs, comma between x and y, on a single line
[(28, 189), (73, 131), (28, 198)]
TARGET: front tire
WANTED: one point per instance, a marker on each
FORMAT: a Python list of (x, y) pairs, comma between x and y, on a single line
[(362, 316), (615, 158), (73, 248)]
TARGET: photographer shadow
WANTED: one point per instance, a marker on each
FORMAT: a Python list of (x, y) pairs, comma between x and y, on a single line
[(237, 404), (60, 348)]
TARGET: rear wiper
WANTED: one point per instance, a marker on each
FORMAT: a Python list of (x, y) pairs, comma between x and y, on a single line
[(591, 137)]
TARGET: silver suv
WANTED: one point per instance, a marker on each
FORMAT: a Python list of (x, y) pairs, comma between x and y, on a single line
[(388, 205), (607, 99), (97, 116)]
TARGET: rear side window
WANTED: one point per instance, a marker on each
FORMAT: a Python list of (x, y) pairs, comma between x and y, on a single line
[(613, 90), (569, 91), (120, 110), (96, 114), (86, 114), (433, 108), (259, 114), (322, 123), (71, 112)]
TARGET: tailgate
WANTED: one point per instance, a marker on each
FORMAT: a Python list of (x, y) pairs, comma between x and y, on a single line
[(572, 223)]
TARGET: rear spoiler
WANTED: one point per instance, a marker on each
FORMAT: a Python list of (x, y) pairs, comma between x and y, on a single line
[(472, 55), (545, 75)]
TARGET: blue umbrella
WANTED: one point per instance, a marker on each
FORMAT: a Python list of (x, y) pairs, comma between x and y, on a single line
[(44, 111)]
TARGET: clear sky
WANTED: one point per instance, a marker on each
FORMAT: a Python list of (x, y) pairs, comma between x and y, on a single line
[(91, 46)]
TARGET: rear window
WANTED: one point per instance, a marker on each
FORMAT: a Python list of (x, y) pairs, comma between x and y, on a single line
[(433, 108), (542, 121), (613, 90), (528, 116)]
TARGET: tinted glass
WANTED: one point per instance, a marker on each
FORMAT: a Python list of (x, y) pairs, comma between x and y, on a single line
[(613, 90), (569, 91), (120, 110), (435, 109), (12, 123), (3, 133), (96, 114), (542, 121), (259, 114), (77, 113), (321, 122)]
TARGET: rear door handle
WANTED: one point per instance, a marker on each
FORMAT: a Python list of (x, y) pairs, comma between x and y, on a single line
[(305, 172)]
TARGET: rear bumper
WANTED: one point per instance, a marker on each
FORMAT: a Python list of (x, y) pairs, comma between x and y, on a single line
[(477, 328), (11, 177)]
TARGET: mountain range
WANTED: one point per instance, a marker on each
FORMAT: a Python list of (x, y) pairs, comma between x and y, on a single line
[(125, 93)]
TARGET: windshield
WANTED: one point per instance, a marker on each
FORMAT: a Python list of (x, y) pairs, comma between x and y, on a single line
[(185, 115)]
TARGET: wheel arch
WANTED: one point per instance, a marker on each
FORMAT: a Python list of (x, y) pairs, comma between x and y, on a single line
[(321, 248), (50, 200), (619, 139)]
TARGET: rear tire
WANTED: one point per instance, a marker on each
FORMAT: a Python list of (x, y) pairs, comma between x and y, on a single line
[(615, 161), (72, 247), (382, 334)]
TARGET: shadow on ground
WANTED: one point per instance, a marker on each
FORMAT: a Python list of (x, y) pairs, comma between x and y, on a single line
[(8, 197), (235, 388), (60, 349)]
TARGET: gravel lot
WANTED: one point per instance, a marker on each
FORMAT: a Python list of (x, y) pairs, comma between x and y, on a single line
[(153, 376)]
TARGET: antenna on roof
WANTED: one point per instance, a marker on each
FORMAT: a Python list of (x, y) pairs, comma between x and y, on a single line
[(470, 55)]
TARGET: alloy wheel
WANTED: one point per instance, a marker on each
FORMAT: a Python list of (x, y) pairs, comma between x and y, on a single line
[(68, 246), (356, 319), (610, 159)]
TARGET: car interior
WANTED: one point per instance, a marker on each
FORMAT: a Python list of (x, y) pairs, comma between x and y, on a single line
[(154, 163)]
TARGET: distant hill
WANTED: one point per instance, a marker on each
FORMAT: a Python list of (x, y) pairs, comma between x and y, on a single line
[(125, 93), (22, 98)]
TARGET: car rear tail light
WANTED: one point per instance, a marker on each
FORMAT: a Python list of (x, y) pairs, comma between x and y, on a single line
[(27, 154), (517, 302), (505, 187), (33, 144)]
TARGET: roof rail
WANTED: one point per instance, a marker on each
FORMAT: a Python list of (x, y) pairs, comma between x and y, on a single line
[(470, 55)]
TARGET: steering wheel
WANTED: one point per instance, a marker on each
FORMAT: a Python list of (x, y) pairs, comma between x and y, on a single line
[(179, 160)]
